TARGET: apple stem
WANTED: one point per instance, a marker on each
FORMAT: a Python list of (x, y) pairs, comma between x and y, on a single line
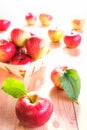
[(32, 98), (72, 32)]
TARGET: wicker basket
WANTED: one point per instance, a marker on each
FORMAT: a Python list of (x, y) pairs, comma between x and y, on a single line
[(28, 69)]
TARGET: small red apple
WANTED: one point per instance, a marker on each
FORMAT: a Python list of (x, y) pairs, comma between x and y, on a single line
[(55, 75), (55, 35), (7, 50), (78, 24), (36, 47), (72, 40), (4, 24), (19, 36), (33, 110), (21, 59), (45, 19), (31, 19)]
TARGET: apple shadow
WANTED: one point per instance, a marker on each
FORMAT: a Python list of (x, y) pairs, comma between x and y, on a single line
[(72, 51), (54, 45), (21, 127), (58, 94), (36, 80)]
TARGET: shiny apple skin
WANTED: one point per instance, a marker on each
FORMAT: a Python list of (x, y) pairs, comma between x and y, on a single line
[(55, 75), (72, 41), (36, 47), (21, 59), (19, 36), (7, 50), (4, 24), (33, 114)]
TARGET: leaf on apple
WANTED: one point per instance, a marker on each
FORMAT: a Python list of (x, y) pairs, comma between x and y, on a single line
[(71, 83), (14, 87)]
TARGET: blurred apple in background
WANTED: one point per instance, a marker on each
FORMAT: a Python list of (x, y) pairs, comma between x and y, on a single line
[(31, 18), (45, 19), (78, 24), (7, 50), (73, 40), (37, 47), (19, 36), (4, 24), (55, 35)]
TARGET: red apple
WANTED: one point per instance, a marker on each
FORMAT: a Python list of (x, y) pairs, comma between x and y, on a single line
[(72, 40), (55, 75), (21, 59), (7, 50), (33, 110), (55, 35), (19, 36), (36, 47), (45, 19), (4, 24), (78, 24), (31, 19)]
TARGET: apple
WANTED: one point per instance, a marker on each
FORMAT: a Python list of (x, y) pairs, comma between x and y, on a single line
[(31, 109), (73, 40), (68, 80), (21, 59), (36, 47), (45, 19), (4, 24), (55, 75), (55, 35), (7, 50), (30, 18), (78, 24), (19, 36)]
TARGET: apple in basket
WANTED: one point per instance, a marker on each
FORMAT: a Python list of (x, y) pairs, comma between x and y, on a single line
[(37, 47), (30, 19), (32, 110), (7, 50), (19, 36), (21, 59)]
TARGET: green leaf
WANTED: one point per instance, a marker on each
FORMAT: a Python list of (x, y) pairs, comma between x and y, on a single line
[(14, 87), (71, 83)]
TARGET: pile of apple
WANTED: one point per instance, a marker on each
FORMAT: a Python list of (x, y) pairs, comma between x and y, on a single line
[(22, 48)]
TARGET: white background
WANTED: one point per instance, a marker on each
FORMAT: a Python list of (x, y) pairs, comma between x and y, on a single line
[(60, 9)]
